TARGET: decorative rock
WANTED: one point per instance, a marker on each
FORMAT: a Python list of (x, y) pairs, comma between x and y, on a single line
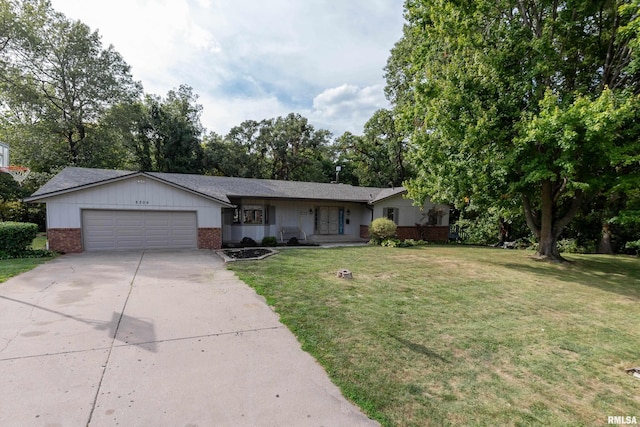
[(345, 274)]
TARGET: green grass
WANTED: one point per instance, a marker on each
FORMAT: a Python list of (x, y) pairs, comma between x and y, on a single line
[(13, 267), (451, 335)]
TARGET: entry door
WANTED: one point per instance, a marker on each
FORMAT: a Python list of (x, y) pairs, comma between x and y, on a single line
[(328, 220), (334, 220)]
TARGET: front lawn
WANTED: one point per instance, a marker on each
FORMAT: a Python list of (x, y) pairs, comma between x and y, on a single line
[(451, 335), (13, 267)]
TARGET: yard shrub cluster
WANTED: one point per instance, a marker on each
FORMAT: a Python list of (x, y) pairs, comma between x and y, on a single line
[(16, 238), (248, 242), (635, 245), (397, 243), (382, 229), (269, 241)]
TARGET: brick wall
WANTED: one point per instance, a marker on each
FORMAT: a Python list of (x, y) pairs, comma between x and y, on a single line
[(433, 233), (364, 231), (209, 238), (65, 240)]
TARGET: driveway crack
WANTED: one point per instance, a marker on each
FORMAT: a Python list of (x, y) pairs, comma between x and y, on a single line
[(113, 340)]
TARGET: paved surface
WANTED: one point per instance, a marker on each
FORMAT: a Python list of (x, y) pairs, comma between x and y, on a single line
[(153, 339)]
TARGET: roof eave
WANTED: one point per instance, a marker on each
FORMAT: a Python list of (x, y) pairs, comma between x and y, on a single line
[(43, 197)]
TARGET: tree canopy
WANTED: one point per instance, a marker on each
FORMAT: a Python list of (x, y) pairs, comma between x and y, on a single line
[(58, 82), (377, 158), (284, 148), (521, 100)]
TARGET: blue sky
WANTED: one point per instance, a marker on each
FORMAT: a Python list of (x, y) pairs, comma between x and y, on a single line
[(256, 59)]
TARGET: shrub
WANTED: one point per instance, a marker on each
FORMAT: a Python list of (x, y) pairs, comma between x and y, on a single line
[(633, 245), (573, 246), (269, 241), (16, 237), (397, 243), (293, 242), (391, 243), (248, 242), (382, 229)]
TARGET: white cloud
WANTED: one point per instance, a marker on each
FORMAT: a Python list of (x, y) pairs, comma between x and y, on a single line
[(256, 59), (221, 115), (347, 107)]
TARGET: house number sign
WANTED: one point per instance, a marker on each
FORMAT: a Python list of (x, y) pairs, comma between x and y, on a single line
[(142, 202)]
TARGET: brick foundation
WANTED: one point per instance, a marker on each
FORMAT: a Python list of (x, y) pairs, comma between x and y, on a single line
[(65, 240), (209, 238), (433, 233), (364, 231)]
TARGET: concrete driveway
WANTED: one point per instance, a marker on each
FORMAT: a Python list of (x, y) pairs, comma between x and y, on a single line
[(153, 339)]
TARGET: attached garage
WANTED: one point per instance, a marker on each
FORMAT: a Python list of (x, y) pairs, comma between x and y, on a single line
[(124, 229), (106, 210)]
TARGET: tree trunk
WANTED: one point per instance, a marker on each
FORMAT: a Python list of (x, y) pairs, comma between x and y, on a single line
[(546, 226), (604, 247), (548, 239)]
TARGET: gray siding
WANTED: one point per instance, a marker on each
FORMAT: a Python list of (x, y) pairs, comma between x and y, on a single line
[(137, 193)]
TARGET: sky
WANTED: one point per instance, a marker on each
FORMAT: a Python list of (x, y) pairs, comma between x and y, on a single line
[(256, 59)]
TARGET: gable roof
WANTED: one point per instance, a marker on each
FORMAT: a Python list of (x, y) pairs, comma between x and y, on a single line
[(215, 187)]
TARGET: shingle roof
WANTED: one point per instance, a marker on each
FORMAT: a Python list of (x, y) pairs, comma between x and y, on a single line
[(220, 188), (72, 177), (385, 193)]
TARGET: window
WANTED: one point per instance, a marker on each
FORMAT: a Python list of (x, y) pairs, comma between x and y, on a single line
[(252, 214), (391, 213)]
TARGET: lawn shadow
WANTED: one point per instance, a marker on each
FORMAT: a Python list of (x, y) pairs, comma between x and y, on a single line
[(419, 348), (618, 274)]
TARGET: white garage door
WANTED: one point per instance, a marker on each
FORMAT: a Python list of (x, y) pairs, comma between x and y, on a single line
[(113, 230)]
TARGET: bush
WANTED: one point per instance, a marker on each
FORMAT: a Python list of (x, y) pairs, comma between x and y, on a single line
[(397, 243), (16, 237), (269, 241), (293, 242), (391, 243), (573, 246), (30, 253), (382, 229), (633, 245), (248, 242)]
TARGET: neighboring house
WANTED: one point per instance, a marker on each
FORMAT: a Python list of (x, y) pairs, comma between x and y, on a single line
[(97, 209)]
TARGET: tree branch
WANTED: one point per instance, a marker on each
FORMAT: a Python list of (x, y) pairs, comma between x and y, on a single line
[(532, 220), (562, 222)]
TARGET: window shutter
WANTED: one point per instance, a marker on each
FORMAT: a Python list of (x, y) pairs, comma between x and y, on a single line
[(271, 215), (227, 216)]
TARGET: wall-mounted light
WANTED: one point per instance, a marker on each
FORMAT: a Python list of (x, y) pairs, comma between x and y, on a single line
[(348, 212), (310, 211)]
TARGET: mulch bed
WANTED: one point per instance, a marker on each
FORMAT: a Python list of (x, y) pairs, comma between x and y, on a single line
[(246, 253)]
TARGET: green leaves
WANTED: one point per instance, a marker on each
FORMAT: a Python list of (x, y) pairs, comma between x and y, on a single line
[(58, 77), (501, 98)]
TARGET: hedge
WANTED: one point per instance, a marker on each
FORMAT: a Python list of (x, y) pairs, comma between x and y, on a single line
[(16, 237)]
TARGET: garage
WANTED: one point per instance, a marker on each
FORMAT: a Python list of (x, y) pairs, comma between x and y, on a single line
[(137, 229)]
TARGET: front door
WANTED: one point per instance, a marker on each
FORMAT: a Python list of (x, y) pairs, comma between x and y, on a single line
[(328, 220)]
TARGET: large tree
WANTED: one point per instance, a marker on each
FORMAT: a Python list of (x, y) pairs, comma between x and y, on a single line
[(284, 148), (57, 81), (169, 133), (523, 100), (377, 157)]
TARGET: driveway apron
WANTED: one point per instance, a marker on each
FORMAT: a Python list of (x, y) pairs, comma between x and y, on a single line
[(153, 338)]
